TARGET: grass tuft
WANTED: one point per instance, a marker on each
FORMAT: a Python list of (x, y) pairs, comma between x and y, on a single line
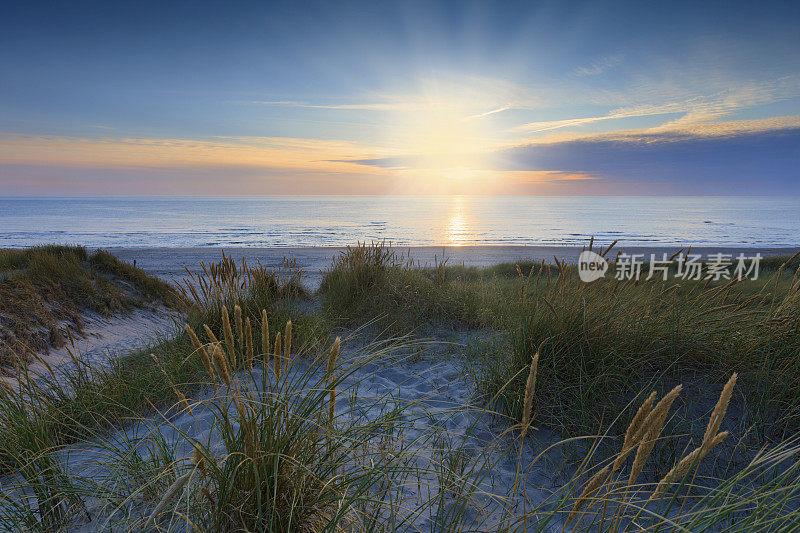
[(46, 289)]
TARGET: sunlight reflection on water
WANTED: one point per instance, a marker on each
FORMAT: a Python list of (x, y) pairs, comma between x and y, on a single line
[(401, 220)]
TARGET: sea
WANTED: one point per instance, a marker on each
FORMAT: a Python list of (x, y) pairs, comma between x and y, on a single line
[(316, 221)]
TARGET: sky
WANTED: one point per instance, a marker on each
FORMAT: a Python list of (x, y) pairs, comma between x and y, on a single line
[(260, 98)]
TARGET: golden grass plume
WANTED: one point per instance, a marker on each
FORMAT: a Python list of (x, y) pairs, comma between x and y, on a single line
[(201, 350)]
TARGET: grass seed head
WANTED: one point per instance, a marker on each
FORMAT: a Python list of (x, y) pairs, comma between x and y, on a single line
[(651, 429), (634, 432), (278, 355), (719, 410), (237, 318), (592, 485), (181, 397), (682, 468), (171, 492), (333, 355), (635, 427), (530, 388), (221, 362), (287, 341), (199, 460), (201, 350), (210, 334), (264, 334), (248, 343), (228, 334)]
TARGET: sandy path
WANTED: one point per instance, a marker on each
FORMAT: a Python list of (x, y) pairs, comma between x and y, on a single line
[(440, 413), (120, 334), (440, 416), (107, 336)]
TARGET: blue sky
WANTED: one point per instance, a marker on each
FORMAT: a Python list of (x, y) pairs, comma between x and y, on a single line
[(409, 97)]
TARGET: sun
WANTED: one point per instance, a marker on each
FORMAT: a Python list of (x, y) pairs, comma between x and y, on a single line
[(447, 142), (442, 140)]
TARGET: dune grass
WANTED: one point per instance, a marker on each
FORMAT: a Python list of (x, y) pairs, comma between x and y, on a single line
[(604, 341), (266, 434), (74, 402), (45, 289), (601, 342), (368, 283)]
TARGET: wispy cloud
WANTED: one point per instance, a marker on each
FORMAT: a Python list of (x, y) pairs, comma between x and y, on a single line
[(549, 125), (120, 152), (600, 66), (694, 111), (378, 106), (492, 112), (676, 132), (479, 96)]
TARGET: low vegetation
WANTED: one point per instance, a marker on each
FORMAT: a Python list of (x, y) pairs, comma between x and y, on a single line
[(74, 402), (602, 342), (253, 417), (47, 289)]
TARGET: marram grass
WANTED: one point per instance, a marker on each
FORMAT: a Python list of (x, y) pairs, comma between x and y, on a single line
[(287, 445)]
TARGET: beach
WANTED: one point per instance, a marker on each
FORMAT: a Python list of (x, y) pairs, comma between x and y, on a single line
[(171, 263)]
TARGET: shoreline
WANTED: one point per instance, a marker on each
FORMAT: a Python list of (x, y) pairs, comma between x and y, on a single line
[(168, 263)]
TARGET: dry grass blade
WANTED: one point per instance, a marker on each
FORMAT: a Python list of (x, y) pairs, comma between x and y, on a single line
[(277, 354), (287, 340), (264, 335), (228, 334), (592, 486), (171, 492), (682, 468), (248, 343)]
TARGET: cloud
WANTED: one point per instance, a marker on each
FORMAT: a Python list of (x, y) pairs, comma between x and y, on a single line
[(119, 152), (695, 110), (600, 66), (761, 160), (539, 127), (735, 157), (384, 106), (690, 128), (478, 96), (492, 112), (243, 180), (675, 131)]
